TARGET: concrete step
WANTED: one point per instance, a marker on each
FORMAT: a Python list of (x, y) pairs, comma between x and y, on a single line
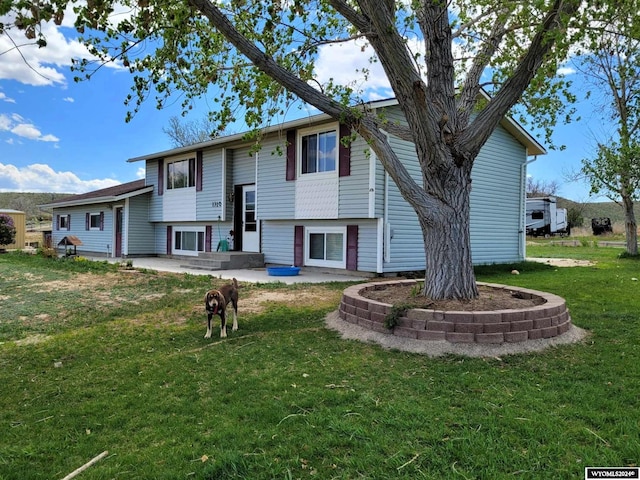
[(226, 261)]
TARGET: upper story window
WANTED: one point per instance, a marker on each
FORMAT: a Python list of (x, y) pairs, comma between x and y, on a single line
[(181, 174), (319, 151)]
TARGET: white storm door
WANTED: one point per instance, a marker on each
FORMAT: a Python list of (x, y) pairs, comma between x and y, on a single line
[(250, 230)]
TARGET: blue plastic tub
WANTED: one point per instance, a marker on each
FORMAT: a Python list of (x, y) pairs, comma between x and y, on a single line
[(283, 271)]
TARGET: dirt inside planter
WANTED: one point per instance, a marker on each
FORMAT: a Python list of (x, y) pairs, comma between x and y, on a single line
[(489, 298)]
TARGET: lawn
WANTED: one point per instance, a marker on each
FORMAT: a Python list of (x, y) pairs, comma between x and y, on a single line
[(96, 359)]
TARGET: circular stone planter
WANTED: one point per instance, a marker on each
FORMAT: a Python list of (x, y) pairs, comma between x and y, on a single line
[(548, 319)]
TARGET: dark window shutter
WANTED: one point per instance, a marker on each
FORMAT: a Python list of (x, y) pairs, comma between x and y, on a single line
[(291, 155), (160, 176), (57, 222), (169, 238), (344, 152), (199, 171), (352, 247), (101, 220), (87, 220), (298, 246), (207, 238), (69, 222)]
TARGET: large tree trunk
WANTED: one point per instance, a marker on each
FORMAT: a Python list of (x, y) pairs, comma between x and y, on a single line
[(447, 240), (449, 270), (630, 226)]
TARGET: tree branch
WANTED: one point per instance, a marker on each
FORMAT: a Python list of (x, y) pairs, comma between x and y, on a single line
[(361, 22), (471, 86), (363, 124), (486, 121)]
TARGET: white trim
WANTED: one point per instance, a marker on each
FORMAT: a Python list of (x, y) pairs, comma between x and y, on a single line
[(223, 190), (373, 159), (250, 239), (380, 246), (59, 225), (325, 263), (91, 215), (179, 159), (188, 228), (387, 225), (532, 145)]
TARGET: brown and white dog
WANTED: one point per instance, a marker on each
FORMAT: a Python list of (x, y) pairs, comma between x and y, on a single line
[(217, 302)]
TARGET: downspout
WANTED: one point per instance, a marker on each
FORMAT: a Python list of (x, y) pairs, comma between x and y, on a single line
[(523, 208)]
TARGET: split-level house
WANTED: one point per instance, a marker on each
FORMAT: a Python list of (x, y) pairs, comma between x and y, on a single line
[(298, 197)]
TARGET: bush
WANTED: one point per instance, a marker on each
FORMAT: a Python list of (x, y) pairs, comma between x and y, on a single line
[(48, 252), (7, 230)]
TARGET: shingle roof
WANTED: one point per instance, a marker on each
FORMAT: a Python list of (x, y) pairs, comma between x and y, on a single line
[(104, 193)]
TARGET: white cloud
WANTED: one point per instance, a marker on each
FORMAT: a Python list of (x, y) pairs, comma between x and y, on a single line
[(68, 99), (566, 71), (141, 173), (5, 122), (344, 64), (31, 65), (42, 178), (4, 98), (22, 128)]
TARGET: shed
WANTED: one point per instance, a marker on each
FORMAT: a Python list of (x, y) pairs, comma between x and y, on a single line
[(68, 241), (19, 220)]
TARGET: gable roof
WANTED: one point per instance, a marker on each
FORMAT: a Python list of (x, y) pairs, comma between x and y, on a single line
[(105, 195), (512, 126)]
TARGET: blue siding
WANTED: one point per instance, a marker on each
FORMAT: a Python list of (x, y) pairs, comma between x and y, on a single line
[(94, 242), (151, 178), (278, 236), (276, 196), (209, 201), (243, 165), (496, 205), (354, 189), (496, 200), (139, 229), (406, 245)]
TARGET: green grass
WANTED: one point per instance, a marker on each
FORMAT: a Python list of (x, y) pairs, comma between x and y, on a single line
[(126, 369)]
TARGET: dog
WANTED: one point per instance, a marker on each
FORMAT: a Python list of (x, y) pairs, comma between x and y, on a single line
[(217, 302)]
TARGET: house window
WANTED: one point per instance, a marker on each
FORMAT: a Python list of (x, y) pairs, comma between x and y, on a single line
[(94, 221), (63, 222), (188, 241), (181, 174), (537, 215), (319, 151), (326, 247)]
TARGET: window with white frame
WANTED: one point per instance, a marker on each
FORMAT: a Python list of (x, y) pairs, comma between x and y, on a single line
[(94, 221), (181, 174), (63, 222), (318, 151), (188, 240), (326, 247)]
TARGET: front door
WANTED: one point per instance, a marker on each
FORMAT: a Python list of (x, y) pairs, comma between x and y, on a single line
[(250, 231)]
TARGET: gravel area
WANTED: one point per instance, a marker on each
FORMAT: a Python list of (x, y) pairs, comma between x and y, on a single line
[(438, 348)]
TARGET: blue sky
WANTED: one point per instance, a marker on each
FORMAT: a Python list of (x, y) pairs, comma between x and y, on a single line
[(60, 136)]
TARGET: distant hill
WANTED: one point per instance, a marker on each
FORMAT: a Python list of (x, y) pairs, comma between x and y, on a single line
[(598, 209), (28, 203)]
